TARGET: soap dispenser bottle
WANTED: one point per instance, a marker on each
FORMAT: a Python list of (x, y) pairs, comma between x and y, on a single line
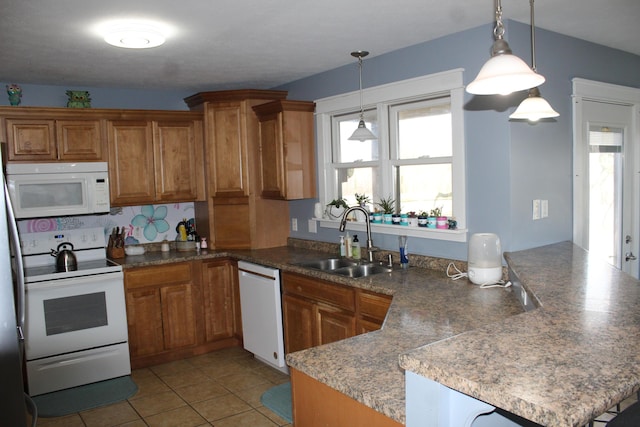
[(343, 247), (355, 247)]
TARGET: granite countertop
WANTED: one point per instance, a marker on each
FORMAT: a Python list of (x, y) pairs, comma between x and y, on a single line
[(561, 364), (427, 307)]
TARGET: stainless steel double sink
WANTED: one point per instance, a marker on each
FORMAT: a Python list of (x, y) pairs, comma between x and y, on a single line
[(346, 267)]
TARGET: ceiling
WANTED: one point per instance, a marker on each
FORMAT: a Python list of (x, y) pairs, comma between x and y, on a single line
[(260, 44)]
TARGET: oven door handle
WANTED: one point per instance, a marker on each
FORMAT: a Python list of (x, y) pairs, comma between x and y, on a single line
[(75, 281)]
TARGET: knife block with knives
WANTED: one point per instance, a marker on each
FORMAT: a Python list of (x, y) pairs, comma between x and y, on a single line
[(115, 246)]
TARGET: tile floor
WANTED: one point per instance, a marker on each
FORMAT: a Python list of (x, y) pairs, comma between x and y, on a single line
[(219, 389)]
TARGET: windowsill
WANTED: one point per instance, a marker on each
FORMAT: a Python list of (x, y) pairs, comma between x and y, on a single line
[(457, 235)]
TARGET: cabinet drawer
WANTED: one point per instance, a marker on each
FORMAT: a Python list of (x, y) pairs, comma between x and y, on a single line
[(158, 275), (319, 290), (373, 305)]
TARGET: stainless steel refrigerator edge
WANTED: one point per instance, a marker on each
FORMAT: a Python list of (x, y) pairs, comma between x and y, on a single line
[(12, 397)]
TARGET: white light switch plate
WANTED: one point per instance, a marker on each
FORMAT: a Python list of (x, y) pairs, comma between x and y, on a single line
[(313, 226), (536, 209)]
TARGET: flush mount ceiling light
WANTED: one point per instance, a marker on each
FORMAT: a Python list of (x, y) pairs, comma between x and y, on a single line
[(504, 73), (133, 34), (361, 133), (534, 107)]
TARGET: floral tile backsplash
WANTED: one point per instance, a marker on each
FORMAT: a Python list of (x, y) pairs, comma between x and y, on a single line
[(143, 224)]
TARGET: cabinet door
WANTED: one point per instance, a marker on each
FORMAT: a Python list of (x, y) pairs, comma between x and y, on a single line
[(272, 157), (131, 171), (372, 310), (178, 320), (175, 161), (299, 320), (31, 139), (218, 294), (287, 150), (144, 320), (334, 324), (227, 150), (79, 140)]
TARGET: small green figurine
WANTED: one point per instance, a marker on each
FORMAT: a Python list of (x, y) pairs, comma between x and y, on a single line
[(78, 99), (15, 94)]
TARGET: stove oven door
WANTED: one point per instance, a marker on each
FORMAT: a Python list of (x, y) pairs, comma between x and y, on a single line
[(75, 332), (74, 314)]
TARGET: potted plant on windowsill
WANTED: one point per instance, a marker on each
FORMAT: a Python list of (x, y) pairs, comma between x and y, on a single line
[(363, 201), (387, 206), (412, 219), (336, 207), (422, 219), (436, 220)]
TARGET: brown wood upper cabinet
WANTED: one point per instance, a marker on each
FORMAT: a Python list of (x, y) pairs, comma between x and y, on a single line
[(287, 160), (155, 160), (235, 215), (52, 134)]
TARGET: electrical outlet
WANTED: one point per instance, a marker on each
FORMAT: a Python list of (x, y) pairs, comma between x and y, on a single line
[(536, 209), (294, 224), (544, 208), (313, 226)]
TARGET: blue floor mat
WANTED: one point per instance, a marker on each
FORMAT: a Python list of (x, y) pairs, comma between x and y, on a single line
[(278, 399), (82, 398)]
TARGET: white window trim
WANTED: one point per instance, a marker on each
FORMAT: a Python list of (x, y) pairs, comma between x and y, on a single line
[(449, 83)]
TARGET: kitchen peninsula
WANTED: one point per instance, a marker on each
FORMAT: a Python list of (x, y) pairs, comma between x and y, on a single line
[(559, 365)]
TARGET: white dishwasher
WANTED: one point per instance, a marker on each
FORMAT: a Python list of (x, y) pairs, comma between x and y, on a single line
[(261, 306)]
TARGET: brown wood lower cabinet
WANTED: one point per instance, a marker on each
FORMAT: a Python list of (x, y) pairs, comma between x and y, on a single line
[(319, 312), (220, 290), (318, 405), (180, 309)]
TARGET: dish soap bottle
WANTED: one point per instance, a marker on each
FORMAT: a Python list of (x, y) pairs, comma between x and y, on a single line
[(355, 247), (343, 246), (348, 246)]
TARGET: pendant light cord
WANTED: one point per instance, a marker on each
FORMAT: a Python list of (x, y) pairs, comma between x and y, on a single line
[(360, 67), (498, 31), (533, 39)]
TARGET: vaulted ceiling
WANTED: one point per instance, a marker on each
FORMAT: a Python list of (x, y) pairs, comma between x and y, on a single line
[(262, 43)]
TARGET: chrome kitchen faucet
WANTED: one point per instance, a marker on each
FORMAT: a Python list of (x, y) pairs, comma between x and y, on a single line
[(343, 223)]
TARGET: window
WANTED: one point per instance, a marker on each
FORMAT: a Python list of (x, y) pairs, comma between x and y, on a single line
[(418, 159)]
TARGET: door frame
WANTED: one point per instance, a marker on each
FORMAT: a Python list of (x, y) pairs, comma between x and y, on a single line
[(623, 95)]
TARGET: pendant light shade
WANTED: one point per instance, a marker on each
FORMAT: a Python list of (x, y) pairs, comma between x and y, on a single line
[(504, 72), (361, 133), (534, 107)]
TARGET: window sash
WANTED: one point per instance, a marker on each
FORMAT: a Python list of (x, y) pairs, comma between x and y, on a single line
[(380, 98)]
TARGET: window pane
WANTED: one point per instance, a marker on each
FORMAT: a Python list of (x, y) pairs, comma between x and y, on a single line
[(353, 151), (424, 187), (355, 180), (425, 131)]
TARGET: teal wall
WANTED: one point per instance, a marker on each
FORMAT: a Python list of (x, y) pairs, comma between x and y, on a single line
[(508, 163)]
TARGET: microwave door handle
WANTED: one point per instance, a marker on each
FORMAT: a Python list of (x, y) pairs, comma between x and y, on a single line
[(14, 240)]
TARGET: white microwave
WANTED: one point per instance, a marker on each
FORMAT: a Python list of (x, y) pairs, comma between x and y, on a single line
[(58, 189)]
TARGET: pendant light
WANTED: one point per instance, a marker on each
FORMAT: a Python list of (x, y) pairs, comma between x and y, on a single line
[(361, 133), (534, 107), (504, 73)]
